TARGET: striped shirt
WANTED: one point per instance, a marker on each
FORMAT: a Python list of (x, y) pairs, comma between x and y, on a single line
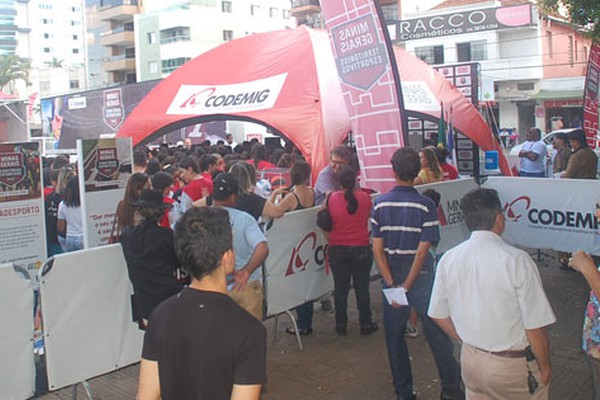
[(403, 218)]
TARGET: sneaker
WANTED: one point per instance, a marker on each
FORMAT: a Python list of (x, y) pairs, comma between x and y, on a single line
[(452, 394), (411, 330), (368, 329)]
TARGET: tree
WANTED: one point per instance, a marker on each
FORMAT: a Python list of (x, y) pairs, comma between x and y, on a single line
[(13, 68), (580, 12)]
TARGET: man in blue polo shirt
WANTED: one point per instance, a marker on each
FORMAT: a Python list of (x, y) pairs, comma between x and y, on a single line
[(404, 226)]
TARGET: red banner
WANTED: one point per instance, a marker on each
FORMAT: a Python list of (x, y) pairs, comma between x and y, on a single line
[(590, 97), (370, 84)]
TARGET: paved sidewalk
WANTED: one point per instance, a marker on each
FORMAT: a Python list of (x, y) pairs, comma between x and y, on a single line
[(356, 368)]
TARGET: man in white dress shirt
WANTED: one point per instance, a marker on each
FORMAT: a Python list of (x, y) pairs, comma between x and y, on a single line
[(489, 295)]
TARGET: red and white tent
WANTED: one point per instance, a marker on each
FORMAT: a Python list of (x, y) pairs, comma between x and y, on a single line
[(286, 80)]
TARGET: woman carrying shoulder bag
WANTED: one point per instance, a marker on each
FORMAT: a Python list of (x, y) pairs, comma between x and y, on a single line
[(349, 251)]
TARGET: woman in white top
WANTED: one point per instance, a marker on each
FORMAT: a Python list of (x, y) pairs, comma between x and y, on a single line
[(69, 217)]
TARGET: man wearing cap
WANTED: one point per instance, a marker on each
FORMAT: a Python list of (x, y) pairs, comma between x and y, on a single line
[(489, 295), (150, 254), (249, 244), (583, 161)]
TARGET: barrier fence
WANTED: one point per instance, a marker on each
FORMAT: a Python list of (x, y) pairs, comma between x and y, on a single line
[(86, 294)]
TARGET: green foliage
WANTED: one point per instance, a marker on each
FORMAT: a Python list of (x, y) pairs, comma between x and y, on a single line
[(580, 12), (13, 68)]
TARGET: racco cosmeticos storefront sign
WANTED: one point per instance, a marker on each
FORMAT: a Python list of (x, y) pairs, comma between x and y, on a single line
[(464, 22)]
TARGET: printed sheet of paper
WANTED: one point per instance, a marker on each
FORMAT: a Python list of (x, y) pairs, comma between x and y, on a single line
[(397, 295)]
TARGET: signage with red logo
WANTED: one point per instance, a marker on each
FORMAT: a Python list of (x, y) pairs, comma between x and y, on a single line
[(107, 162), (113, 110), (12, 169)]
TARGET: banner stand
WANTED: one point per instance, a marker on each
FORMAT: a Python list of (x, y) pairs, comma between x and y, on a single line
[(289, 314)]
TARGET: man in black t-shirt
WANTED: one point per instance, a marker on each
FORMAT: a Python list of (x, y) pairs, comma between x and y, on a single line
[(199, 343)]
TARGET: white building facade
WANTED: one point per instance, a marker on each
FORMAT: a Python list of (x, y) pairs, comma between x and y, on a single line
[(168, 34)]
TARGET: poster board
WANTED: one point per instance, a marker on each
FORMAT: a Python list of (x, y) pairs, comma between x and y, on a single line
[(296, 269), (22, 231), (105, 166)]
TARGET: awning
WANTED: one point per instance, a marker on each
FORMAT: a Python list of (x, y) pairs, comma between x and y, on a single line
[(558, 94)]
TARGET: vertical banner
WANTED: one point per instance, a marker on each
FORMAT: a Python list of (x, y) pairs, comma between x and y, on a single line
[(590, 97), (370, 84), (105, 168), (22, 231)]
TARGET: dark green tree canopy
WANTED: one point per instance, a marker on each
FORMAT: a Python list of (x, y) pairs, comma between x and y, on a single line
[(580, 12)]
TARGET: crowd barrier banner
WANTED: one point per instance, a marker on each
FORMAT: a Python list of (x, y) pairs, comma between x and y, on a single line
[(296, 269), (22, 232), (106, 166), (555, 214), (17, 370), (453, 230), (87, 316)]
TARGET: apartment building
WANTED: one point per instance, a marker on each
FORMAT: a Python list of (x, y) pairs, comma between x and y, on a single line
[(168, 34)]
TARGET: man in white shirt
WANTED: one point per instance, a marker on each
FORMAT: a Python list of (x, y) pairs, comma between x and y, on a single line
[(489, 295), (533, 155)]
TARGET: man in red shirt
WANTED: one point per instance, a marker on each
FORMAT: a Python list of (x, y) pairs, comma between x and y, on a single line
[(163, 181), (449, 171)]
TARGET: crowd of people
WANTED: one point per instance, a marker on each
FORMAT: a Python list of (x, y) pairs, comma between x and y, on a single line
[(190, 227)]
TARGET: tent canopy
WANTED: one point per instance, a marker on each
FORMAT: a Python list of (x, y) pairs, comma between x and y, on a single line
[(286, 80)]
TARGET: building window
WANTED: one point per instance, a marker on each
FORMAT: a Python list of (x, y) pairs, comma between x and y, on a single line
[(576, 51), (75, 37), (172, 64), (226, 6), (272, 12), (46, 49), (431, 54), (227, 36), (584, 54), (74, 84), (153, 67), (254, 9), (550, 47), (472, 51), (44, 86), (525, 86), (151, 37), (570, 49), (75, 51), (285, 14), (46, 36), (177, 34), (46, 21)]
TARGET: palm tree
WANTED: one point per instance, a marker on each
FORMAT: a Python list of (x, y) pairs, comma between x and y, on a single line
[(13, 68)]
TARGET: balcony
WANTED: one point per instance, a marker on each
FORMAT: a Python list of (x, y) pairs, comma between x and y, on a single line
[(301, 7), (119, 63), (122, 12), (120, 37)]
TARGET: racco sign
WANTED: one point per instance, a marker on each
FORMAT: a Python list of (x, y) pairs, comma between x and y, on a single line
[(464, 22)]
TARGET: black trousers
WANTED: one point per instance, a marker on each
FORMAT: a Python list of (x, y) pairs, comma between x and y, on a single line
[(351, 265)]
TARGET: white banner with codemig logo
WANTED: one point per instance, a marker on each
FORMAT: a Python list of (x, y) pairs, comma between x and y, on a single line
[(296, 269), (555, 214), (453, 230)]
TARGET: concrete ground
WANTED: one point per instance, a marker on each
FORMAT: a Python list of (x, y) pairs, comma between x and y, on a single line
[(356, 367)]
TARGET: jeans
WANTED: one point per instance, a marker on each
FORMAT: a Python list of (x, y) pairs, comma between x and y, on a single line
[(305, 314), (395, 323), (524, 174), (351, 264), (73, 243)]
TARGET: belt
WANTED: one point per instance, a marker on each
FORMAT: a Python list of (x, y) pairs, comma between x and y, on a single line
[(505, 353)]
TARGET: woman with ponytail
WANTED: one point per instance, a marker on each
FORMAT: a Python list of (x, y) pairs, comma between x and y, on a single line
[(349, 251)]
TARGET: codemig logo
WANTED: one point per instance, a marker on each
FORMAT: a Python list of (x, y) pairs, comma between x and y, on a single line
[(523, 206), (308, 250)]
